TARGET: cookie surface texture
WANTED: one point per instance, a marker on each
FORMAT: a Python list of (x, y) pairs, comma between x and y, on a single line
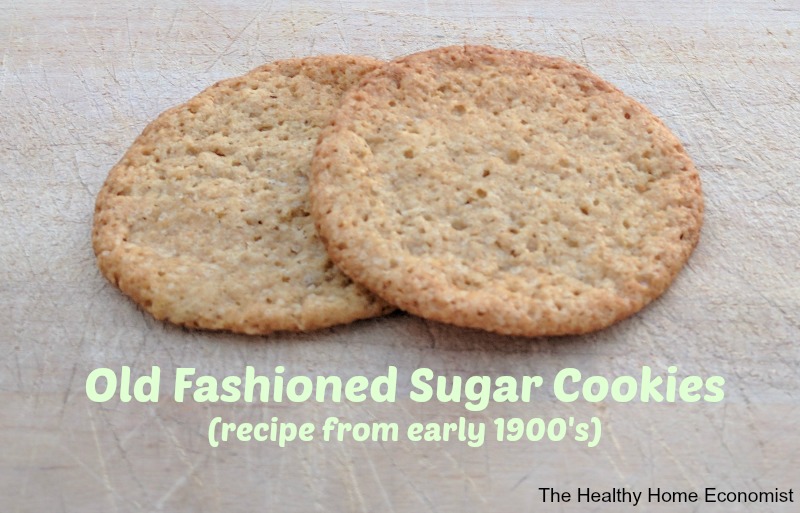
[(505, 191), (205, 220)]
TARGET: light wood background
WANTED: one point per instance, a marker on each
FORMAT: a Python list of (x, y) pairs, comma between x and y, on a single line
[(79, 80)]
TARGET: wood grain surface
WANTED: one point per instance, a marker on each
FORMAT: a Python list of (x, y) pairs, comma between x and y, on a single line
[(78, 82)]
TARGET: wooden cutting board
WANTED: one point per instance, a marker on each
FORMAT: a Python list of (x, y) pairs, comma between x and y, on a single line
[(79, 81)]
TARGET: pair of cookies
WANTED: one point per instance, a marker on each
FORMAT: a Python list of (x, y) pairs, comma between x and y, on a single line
[(487, 188)]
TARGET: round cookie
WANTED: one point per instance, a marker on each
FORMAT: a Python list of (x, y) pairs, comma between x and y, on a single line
[(504, 190), (205, 220)]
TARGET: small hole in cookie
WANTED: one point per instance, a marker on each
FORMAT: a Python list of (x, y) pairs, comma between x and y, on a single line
[(481, 193), (458, 224), (409, 153), (585, 211), (626, 224), (512, 157), (459, 110), (627, 115), (486, 173)]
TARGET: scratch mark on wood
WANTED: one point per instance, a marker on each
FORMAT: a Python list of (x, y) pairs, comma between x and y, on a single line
[(344, 40), (264, 8), (376, 474), (104, 476)]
